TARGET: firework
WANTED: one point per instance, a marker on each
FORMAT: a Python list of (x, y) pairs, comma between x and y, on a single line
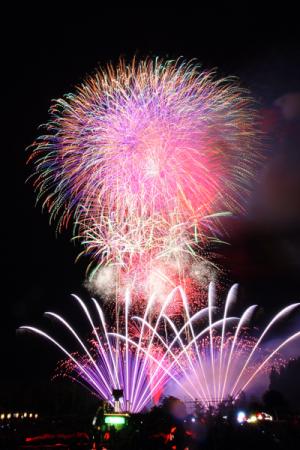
[(143, 157), (199, 358), (105, 362), (216, 360)]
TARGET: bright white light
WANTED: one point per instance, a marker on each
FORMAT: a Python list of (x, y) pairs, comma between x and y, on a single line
[(241, 417)]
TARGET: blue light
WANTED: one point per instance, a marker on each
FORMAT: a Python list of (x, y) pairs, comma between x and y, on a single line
[(241, 416)]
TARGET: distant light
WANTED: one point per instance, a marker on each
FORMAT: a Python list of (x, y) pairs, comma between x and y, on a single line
[(114, 420), (30, 415), (193, 419), (241, 417), (25, 414), (2, 416), (252, 419), (36, 416), (264, 416)]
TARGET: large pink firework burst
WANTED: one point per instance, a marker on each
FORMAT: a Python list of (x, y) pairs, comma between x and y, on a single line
[(142, 156)]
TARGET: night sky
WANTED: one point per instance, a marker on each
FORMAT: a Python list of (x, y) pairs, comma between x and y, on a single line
[(45, 59)]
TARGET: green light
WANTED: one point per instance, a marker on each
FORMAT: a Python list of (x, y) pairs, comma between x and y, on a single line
[(114, 420)]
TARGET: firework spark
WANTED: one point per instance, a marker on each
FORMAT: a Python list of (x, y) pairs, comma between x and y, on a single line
[(143, 157), (105, 362), (201, 358), (216, 360)]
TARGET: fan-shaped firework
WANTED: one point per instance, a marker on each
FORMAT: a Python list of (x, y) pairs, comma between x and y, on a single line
[(106, 362), (142, 155), (203, 359), (216, 360)]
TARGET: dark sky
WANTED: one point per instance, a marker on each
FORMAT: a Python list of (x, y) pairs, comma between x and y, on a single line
[(46, 57)]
